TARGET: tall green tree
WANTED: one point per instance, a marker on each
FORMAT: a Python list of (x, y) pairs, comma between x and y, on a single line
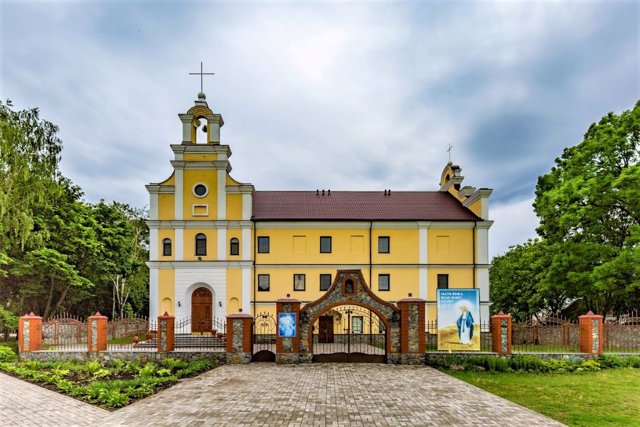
[(589, 210)]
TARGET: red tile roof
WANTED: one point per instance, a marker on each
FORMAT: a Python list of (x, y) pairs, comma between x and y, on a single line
[(359, 206)]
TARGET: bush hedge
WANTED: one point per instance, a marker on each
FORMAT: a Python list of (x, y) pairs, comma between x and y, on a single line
[(529, 363)]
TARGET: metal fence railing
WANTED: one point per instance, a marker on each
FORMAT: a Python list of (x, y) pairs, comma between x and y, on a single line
[(622, 335), (545, 335)]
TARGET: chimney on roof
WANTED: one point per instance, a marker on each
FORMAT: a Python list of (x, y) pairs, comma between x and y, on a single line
[(323, 191), (317, 192), (385, 191), (329, 192), (389, 192)]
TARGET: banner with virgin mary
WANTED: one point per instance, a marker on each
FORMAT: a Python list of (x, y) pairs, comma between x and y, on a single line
[(458, 319)]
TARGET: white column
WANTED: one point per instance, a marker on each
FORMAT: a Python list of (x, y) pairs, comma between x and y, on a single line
[(246, 290), (222, 244), (245, 244), (422, 255), (482, 277), (179, 208), (222, 194), (153, 293), (179, 244), (153, 244), (247, 206)]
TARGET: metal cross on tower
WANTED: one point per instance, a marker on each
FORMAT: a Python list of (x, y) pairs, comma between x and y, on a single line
[(202, 74), (449, 151)]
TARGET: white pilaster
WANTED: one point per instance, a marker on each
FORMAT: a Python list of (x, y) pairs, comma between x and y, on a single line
[(422, 259), (153, 293), (245, 244), (482, 277), (246, 290), (153, 206), (222, 194), (179, 208), (247, 206), (222, 244), (179, 244), (482, 245), (153, 244)]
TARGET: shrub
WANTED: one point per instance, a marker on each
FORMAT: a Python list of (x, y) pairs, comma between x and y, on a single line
[(7, 355), (589, 365), (523, 362), (633, 361), (611, 361), (560, 365)]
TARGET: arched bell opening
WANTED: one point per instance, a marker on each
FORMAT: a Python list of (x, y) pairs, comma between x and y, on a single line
[(200, 131)]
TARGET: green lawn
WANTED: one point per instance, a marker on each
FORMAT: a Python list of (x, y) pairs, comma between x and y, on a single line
[(605, 398)]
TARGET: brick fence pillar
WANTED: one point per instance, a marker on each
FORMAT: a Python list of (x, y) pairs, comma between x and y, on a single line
[(166, 333), (97, 332), (501, 333), (591, 333), (30, 333), (412, 330), (288, 344), (239, 338)]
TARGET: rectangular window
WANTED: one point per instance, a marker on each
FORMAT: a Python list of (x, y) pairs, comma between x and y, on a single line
[(299, 282), (383, 282), (325, 244), (264, 282), (443, 281), (383, 244), (356, 324), (263, 244), (325, 282)]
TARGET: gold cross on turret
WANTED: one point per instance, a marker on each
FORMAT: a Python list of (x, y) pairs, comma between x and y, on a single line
[(202, 74), (449, 151)]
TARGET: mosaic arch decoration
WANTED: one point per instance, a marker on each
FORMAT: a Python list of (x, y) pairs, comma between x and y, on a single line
[(350, 288)]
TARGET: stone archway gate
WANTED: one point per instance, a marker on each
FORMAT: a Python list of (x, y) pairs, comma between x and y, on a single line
[(403, 324)]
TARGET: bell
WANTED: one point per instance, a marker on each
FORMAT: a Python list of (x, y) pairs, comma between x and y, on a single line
[(204, 128)]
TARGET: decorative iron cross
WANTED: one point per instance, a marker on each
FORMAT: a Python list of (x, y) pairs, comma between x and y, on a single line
[(449, 151), (202, 74)]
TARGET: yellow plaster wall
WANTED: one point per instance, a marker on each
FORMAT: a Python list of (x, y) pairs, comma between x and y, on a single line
[(166, 206), (402, 281), (190, 244), (164, 233), (171, 180), (476, 207), (403, 245), (200, 157), (458, 249), (234, 207), (210, 179), (282, 246), (234, 288), (166, 290)]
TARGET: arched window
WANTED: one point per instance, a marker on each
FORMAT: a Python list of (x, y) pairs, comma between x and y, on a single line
[(166, 247), (201, 244), (234, 247)]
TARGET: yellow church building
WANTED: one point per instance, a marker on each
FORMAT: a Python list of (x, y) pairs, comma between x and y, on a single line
[(218, 245)]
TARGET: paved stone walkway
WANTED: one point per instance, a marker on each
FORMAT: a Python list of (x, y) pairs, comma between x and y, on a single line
[(26, 404), (269, 394)]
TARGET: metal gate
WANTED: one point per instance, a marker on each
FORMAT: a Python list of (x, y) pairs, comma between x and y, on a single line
[(349, 333), (264, 338)]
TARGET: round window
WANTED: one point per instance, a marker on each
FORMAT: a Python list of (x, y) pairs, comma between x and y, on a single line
[(200, 190)]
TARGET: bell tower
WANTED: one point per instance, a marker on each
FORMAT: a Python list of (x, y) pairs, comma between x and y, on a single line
[(201, 117)]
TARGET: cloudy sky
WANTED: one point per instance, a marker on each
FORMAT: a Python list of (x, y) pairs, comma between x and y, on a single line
[(340, 95)]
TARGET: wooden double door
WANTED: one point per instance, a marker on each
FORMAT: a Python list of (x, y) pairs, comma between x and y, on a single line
[(325, 332), (201, 310)]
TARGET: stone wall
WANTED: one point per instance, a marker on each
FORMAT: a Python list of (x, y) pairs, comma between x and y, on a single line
[(141, 356)]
